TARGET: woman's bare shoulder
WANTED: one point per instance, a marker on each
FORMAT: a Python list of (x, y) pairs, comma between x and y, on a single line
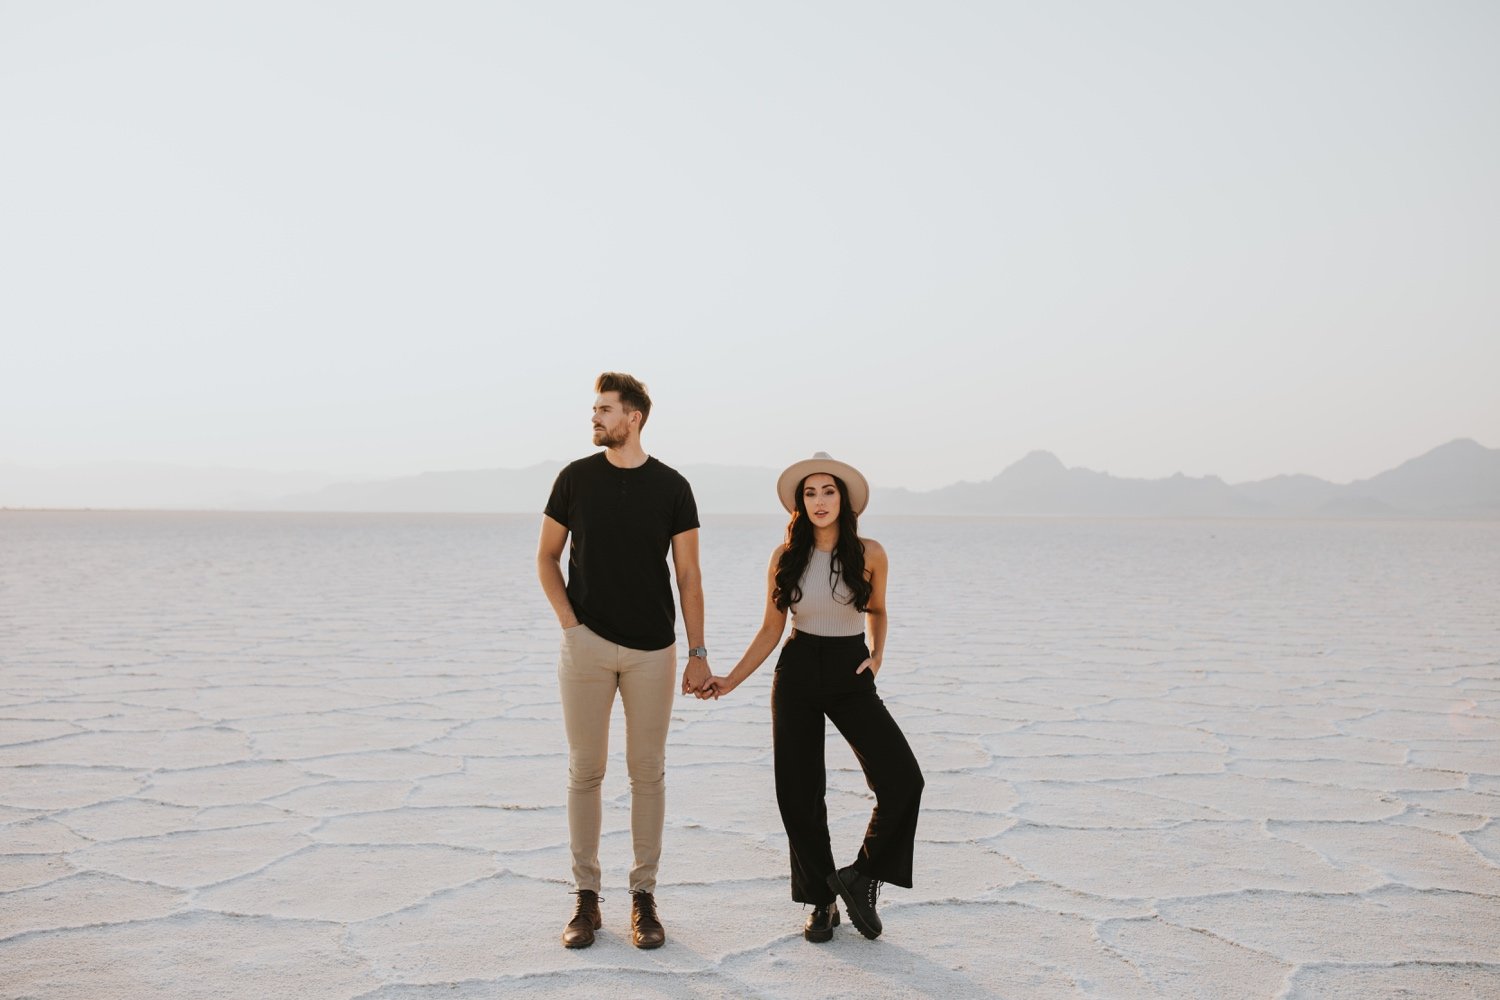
[(873, 549)]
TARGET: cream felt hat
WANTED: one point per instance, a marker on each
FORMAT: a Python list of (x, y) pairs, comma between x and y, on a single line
[(854, 480)]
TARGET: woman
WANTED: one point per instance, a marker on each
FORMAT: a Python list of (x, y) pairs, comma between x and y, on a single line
[(833, 582)]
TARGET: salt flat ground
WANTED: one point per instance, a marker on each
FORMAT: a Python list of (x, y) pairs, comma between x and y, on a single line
[(321, 756)]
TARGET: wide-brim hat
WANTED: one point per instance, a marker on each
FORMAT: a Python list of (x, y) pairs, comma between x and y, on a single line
[(854, 480)]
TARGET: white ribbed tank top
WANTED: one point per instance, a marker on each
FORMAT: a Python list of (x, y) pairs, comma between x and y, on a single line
[(825, 609)]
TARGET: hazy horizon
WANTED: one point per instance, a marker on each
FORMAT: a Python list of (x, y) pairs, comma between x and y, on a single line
[(294, 475), (367, 241), (1459, 478)]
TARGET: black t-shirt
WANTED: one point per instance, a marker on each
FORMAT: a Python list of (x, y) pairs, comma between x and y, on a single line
[(622, 522)]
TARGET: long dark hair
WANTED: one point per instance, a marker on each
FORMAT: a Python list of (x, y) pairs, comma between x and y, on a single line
[(848, 554)]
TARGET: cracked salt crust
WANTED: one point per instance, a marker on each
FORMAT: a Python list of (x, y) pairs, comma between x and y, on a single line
[(342, 767)]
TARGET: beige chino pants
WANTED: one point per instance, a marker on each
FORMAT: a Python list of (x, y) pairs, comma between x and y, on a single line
[(589, 672)]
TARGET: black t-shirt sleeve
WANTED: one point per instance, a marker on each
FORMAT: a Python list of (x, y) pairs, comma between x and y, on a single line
[(561, 498), (685, 511)]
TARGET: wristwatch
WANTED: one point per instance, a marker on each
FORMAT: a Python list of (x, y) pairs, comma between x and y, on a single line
[(698, 651)]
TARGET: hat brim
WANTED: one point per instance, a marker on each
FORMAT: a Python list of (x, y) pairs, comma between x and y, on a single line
[(854, 481)]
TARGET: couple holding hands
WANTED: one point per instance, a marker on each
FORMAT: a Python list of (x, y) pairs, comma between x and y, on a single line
[(619, 514)]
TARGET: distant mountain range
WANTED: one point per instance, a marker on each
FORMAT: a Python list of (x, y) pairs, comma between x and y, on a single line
[(1459, 479)]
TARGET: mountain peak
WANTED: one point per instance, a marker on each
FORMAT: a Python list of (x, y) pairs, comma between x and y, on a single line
[(1035, 463), (1458, 454), (1459, 446)]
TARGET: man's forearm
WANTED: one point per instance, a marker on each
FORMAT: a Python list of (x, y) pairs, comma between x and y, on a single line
[(691, 596), (556, 589)]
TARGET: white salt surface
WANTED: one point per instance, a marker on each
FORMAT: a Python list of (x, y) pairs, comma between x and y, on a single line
[(322, 756)]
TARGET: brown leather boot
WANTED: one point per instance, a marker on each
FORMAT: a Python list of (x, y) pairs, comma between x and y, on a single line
[(586, 920), (645, 930)]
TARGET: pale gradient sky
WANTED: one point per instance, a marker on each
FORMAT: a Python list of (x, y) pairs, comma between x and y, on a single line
[(383, 238)]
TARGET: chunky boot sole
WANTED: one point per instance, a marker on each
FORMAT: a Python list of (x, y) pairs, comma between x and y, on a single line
[(818, 937), (867, 929)]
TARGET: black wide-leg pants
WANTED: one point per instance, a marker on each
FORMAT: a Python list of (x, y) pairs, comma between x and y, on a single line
[(815, 678)]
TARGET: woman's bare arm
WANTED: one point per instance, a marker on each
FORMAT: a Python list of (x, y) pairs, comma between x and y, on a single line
[(765, 640), (876, 621)]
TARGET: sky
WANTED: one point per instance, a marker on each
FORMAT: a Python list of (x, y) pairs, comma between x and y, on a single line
[(372, 239)]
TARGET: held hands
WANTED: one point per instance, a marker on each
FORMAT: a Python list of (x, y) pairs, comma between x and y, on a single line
[(695, 677)]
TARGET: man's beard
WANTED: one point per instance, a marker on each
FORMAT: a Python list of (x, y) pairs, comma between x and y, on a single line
[(603, 437)]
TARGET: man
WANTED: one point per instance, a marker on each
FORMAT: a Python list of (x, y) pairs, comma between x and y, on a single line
[(624, 510)]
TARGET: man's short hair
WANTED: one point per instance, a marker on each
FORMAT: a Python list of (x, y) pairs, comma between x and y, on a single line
[(632, 392)]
